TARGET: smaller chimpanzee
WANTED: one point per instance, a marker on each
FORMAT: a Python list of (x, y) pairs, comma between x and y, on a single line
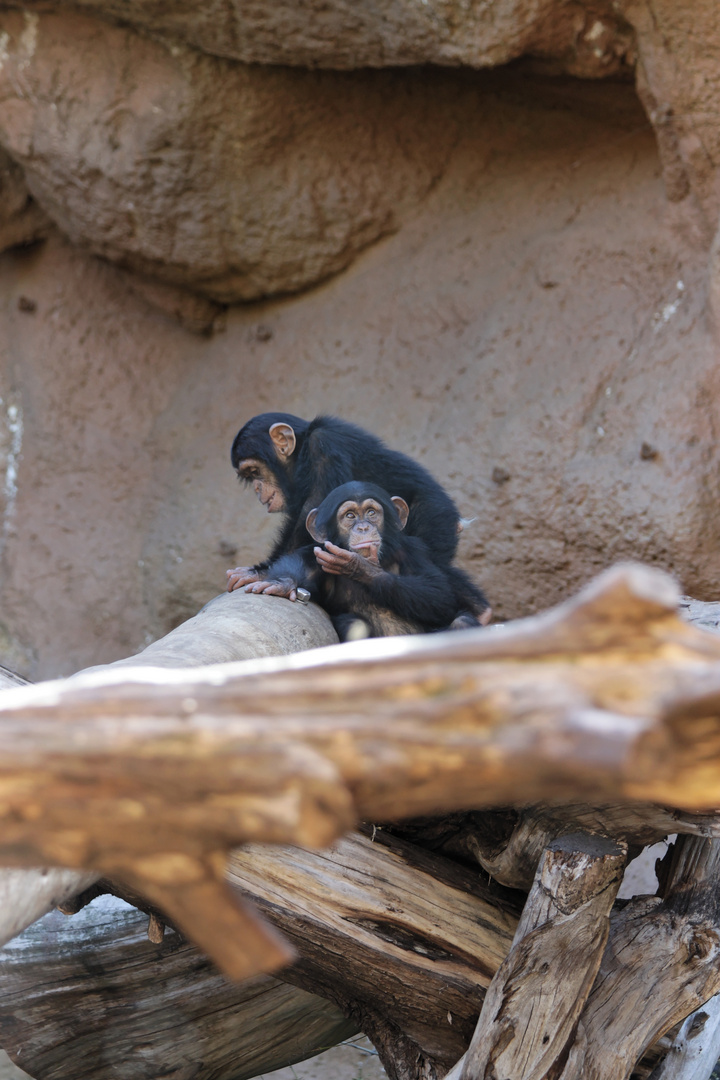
[(371, 578)]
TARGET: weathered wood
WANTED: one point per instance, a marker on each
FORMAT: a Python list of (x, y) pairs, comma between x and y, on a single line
[(394, 934), (235, 626), (89, 998), (662, 962), (508, 843), (231, 627), (27, 895), (148, 776), (534, 1001), (696, 1048)]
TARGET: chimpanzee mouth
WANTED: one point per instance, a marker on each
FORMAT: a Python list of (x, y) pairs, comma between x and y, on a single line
[(371, 551)]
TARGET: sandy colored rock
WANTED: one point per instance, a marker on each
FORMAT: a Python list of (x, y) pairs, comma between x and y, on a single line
[(586, 37), (235, 181), (678, 78), (542, 313), (21, 219)]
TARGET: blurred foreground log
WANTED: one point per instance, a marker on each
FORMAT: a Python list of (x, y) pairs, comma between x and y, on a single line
[(231, 627), (151, 777)]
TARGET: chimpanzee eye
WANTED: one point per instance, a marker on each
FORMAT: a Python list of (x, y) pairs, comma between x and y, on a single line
[(349, 515), (371, 512)]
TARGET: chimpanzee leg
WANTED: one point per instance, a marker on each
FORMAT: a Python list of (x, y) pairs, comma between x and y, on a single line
[(351, 627)]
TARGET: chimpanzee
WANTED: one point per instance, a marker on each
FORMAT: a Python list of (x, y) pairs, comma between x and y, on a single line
[(371, 578), (293, 464)]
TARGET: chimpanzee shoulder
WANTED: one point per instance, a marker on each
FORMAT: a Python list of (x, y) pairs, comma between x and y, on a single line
[(335, 451)]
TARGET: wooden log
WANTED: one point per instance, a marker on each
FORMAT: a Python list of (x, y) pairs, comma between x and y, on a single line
[(661, 963), (696, 1048), (532, 1006), (27, 895), (147, 775), (509, 843), (406, 941), (91, 997), (233, 626)]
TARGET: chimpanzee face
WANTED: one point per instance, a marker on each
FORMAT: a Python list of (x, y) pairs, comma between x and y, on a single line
[(263, 482), (360, 527)]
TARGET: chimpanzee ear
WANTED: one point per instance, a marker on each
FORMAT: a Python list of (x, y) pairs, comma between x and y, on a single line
[(317, 534), (403, 510), (284, 440)]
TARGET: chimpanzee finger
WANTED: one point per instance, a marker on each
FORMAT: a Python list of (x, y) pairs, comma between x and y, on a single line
[(340, 552), (256, 587), (278, 588)]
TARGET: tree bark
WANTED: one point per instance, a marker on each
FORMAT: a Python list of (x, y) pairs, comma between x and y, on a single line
[(661, 963), (91, 997), (531, 1009), (395, 935), (696, 1048)]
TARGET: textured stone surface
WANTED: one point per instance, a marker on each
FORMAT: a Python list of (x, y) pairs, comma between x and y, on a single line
[(236, 181), (585, 37), (678, 79), (21, 219), (536, 335)]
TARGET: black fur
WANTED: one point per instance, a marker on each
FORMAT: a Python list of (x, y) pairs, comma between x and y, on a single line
[(413, 595), (331, 452)]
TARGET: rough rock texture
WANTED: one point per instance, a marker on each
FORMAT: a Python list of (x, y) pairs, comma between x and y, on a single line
[(235, 181), (678, 80), (536, 334), (21, 220), (586, 37)]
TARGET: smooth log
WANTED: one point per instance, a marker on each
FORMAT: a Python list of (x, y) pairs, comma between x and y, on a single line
[(89, 998), (398, 936), (534, 1001), (235, 626), (661, 963)]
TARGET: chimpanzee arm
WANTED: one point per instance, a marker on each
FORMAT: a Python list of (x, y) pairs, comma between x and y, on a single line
[(288, 573), (420, 593), (426, 597)]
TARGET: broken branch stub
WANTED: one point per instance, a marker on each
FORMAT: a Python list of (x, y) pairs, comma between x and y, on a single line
[(661, 963), (534, 1001)]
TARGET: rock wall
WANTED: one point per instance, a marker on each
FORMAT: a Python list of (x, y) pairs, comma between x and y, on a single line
[(510, 274)]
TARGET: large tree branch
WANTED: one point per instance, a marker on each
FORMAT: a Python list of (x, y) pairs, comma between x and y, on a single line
[(150, 776)]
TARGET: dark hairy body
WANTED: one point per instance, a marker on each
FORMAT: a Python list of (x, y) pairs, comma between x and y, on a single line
[(293, 464), (372, 578)]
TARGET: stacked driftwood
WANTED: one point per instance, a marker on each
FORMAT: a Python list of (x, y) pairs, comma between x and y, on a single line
[(596, 729)]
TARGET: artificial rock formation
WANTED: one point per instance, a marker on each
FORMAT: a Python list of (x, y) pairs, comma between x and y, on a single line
[(511, 284), (587, 38), (236, 181), (21, 219)]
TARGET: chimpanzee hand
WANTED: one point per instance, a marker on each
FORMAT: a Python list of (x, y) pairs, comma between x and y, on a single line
[(337, 560), (275, 587), (241, 575)]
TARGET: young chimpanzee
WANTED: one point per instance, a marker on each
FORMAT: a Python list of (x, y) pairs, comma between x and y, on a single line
[(371, 578), (292, 464)]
